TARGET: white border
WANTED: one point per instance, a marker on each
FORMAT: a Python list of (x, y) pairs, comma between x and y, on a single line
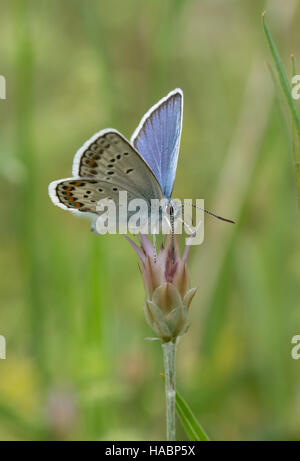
[(80, 152), (153, 108), (75, 172), (54, 198)]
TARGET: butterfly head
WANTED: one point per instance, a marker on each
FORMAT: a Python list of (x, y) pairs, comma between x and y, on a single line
[(173, 209), (169, 213)]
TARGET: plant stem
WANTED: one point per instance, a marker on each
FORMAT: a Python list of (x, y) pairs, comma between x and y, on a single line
[(169, 352)]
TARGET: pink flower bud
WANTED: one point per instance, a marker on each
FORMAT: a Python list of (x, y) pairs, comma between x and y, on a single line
[(166, 281)]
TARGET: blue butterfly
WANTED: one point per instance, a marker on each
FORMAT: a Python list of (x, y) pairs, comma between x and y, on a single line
[(108, 163)]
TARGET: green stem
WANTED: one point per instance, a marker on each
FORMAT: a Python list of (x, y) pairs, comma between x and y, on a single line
[(169, 352)]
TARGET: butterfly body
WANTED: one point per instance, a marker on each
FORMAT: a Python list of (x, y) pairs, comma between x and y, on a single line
[(108, 163)]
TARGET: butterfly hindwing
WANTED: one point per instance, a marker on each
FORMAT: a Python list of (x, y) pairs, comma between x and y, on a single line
[(82, 194), (157, 138)]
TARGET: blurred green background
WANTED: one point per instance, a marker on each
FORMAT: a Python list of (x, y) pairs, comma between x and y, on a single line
[(77, 364)]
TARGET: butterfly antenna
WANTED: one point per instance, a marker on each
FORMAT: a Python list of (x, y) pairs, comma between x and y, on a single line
[(214, 215)]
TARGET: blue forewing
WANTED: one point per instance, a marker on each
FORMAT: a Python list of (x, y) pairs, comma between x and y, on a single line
[(157, 138)]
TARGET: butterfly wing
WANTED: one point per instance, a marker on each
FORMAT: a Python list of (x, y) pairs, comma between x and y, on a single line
[(110, 157), (105, 165), (82, 194), (82, 197), (157, 138)]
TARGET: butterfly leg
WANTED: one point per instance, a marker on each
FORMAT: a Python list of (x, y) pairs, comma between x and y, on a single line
[(172, 232), (154, 248)]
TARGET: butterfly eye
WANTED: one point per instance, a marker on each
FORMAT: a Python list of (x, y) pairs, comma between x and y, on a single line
[(110, 172), (118, 156), (100, 190), (129, 170), (115, 189)]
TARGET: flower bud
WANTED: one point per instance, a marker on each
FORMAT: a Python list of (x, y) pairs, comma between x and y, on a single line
[(166, 281)]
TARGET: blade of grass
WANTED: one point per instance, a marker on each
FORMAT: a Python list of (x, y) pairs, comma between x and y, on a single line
[(295, 145), (231, 194), (232, 190), (283, 78), (296, 152), (192, 427), (293, 65), (97, 340), (188, 419), (97, 316), (189, 431), (285, 85), (296, 140), (92, 15), (164, 44), (25, 151)]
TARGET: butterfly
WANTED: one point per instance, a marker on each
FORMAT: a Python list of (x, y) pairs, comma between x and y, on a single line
[(144, 167)]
